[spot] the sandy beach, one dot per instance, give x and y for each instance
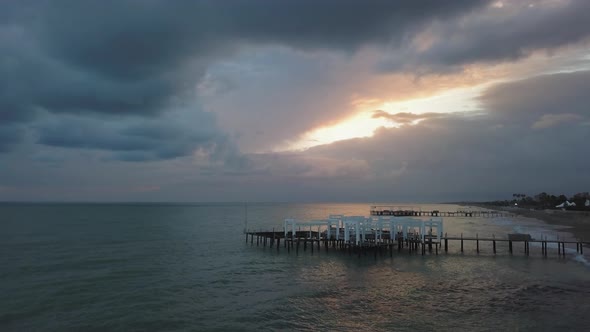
(575, 222)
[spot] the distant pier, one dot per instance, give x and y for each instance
(409, 211)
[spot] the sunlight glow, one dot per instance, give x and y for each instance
(364, 125)
(361, 125)
(457, 100)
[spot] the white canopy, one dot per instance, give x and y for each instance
(566, 203)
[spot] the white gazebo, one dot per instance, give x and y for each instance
(356, 228)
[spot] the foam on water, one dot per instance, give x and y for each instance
(540, 230)
(579, 257)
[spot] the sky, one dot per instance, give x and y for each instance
(295, 100)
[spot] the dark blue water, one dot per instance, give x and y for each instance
(118, 267)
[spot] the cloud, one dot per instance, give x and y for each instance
(194, 86)
(135, 58)
(499, 33)
(551, 120)
(301, 165)
(531, 99)
(126, 58)
(407, 117)
(9, 135)
(175, 135)
(477, 156)
(274, 95)
(158, 34)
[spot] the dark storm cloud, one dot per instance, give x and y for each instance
(31, 81)
(130, 39)
(496, 34)
(136, 57)
(132, 140)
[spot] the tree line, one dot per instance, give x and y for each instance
(545, 201)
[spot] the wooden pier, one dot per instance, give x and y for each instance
(303, 241)
(390, 229)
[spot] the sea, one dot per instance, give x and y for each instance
(188, 267)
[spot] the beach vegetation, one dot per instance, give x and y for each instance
(545, 201)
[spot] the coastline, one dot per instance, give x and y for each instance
(575, 222)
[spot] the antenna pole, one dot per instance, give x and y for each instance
(245, 217)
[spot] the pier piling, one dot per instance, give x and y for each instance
(544, 249)
(546, 253)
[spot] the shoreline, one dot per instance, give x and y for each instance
(575, 222)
